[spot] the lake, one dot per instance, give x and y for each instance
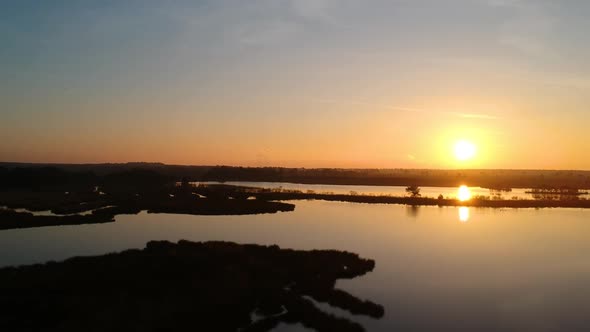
(447, 192)
(438, 269)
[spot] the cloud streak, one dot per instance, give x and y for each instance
(405, 109)
(474, 116)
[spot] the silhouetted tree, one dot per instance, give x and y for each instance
(413, 191)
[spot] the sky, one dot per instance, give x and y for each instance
(296, 83)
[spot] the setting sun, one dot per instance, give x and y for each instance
(464, 150)
(285, 147)
(464, 194)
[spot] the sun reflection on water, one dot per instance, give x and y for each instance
(464, 214)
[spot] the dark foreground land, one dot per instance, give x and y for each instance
(212, 286)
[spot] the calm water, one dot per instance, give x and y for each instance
(438, 269)
(449, 192)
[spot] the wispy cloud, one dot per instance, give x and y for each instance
(266, 33)
(404, 109)
(364, 103)
(278, 21)
(474, 116)
(507, 3)
(314, 9)
(528, 27)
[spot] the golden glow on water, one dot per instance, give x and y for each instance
(464, 194)
(464, 214)
(464, 150)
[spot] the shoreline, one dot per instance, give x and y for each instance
(426, 201)
(264, 195)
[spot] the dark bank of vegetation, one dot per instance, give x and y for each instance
(212, 286)
(493, 179)
(71, 198)
(10, 219)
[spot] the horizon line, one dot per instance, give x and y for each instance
(286, 167)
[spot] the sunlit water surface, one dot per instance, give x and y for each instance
(447, 192)
(438, 269)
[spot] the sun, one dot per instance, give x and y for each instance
(464, 194)
(464, 150)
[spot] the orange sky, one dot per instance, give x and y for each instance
(329, 83)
